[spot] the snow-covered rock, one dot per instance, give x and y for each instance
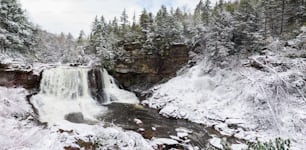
(216, 142)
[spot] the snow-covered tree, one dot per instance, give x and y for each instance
(81, 38)
(115, 26)
(197, 15)
(167, 30)
(202, 12)
(144, 20)
(124, 20)
(55, 48)
(100, 42)
(245, 35)
(16, 32)
(206, 12)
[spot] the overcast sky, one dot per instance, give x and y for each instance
(74, 15)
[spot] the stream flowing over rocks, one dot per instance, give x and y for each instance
(226, 75)
(82, 107)
(261, 96)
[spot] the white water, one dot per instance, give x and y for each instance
(65, 90)
(114, 93)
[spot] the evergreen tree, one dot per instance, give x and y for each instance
(144, 20)
(81, 38)
(16, 32)
(151, 20)
(205, 16)
(245, 34)
(197, 15)
(115, 26)
(168, 29)
(134, 25)
(294, 15)
(202, 12)
(124, 20)
(179, 15)
(99, 38)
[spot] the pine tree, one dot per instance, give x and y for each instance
(179, 15)
(144, 20)
(115, 26)
(168, 29)
(205, 16)
(99, 36)
(16, 32)
(245, 34)
(124, 20)
(151, 21)
(294, 15)
(197, 15)
(134, 25)
(81, 38)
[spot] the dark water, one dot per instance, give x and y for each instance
(123, 115)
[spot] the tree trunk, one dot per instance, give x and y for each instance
(283, 12)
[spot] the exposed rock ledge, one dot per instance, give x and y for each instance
(21, 76)
(139, 68)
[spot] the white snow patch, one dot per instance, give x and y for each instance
(161, 141)
(216, 142)
(239, 147)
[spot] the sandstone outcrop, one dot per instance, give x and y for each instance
(139, 68)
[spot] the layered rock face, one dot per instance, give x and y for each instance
(96, 84)
(18, 77)
(138, 68)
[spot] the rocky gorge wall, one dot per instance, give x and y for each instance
(18, 77)
(96, 84)
(139, 68)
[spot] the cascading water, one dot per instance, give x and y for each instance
(65, 91)
(114, 93)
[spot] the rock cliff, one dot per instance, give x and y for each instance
(11, 76)
(138, 68)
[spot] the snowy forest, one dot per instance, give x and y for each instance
(225, 75)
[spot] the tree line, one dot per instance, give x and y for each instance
(224, 27)
(235, 25)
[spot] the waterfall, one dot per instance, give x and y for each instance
(64, 91)
(65, 83)
(114, 93)
(65, 94)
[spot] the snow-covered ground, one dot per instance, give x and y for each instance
(262, 96)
